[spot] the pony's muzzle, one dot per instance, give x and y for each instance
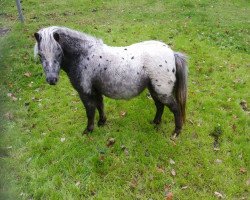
(52, 80)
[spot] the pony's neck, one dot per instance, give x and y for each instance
(75, 45)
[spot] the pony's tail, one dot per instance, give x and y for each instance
(181, 82)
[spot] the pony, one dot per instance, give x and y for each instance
(96, 70)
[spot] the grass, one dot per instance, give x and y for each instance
(36, 164)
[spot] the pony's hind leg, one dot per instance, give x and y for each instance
(173, 106)
(159, 106)
(100, 108)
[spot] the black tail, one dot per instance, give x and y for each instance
(181, 82)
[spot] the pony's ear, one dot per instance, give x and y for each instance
(56, 36)
(38, 37)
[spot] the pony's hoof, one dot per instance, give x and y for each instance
(155, 122)
(102, 122)
(87, 131)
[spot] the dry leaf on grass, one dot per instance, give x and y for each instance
(184, 187)
(123, 113)
(27, 74)
(169, 196)
(219, 195)
(160, 169)
(9, 116)
(12, 96)
(171, 161)
(243, 170)
(173, 173)
(243, 104)
(110, 142)
(218, 161)
(77, 183)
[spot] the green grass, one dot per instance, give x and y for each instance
(35, 164)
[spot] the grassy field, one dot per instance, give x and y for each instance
(43, 154)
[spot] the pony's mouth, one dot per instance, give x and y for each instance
(52, 80)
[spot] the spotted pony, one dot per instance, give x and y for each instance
(96, 69)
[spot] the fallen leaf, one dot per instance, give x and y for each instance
(219, 195)
(101, 158)
(184, 187)
(9, 116)
(234, 127)
(149, 96)
(248, 182)
(160, 169)
(77, 183)
(133, 183)
(243, 104)
(190, 121)
(27, 74)
(12, 96)
(173, 172)
(126, 152)
(167, 188)
(62, 139)
(110, 142)
(122, 113)
(243, 170)
(218, 161)
(172, 162)
(169, 196)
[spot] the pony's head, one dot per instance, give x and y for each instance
(50, 53)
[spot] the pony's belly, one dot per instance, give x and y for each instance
(123, 90)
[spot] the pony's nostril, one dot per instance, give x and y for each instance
(52, 80)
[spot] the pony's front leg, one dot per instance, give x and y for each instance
(100, 108)
(90, 106)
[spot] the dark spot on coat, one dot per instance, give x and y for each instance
(173, 70)
(137, 72)
(105, 68)
(100, 56)
(125, 49)
(85, 67)
(99, 65)
(166, 61)
(159, 85)
(93, 56)
(164, 45)
(132, 57)
(156, 80)
(87, 58)
(122, 58)
(160, 65)
(143, 67)
(168, 70)
(107, 60)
